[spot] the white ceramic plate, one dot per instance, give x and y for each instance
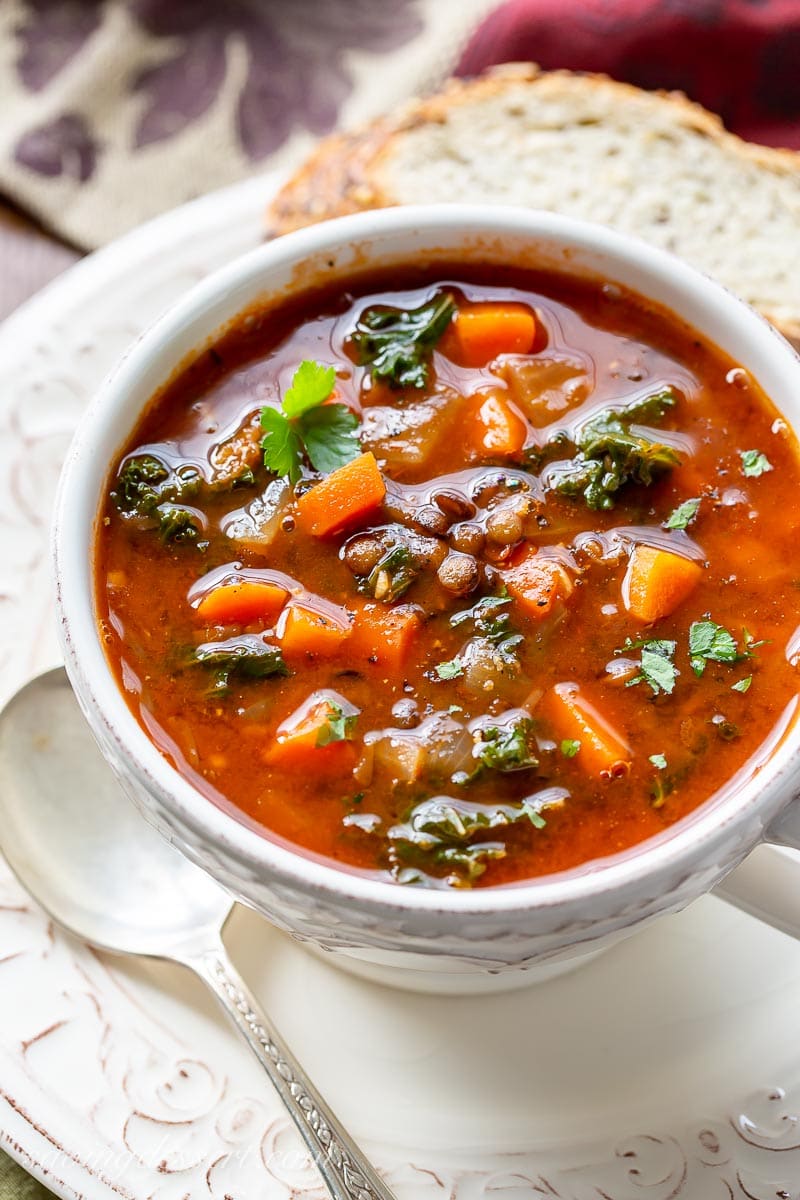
(669, 1067)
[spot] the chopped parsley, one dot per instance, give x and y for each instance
(338, 726)
(683, 515)
(505, 747)
(570, 747)
(658, 761)
(657, 668)
(305, 425)
(754, 463)
(450, 670)
(743, 685)
(396, 343)
(710, 642)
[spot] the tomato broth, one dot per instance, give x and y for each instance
(460, 576)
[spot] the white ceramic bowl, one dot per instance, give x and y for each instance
(459, 939)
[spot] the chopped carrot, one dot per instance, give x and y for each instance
(480, 332)
(498, 429)
(315, 631)
(537, 583)
(347, 496)
(240, 601)
(296, 745)
(384, 635)
(657, 581)
(602, 751)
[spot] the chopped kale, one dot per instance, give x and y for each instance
(150, 492)
(247, 656)
(396, 343)
(436, 833)
(492, 625)
(392, 575)
(610, 454)
(178, 524)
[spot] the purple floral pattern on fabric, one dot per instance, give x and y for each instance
(62, 147)
(295, 70)
(50, 35)
(296, 74)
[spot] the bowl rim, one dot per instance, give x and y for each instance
(695, 838)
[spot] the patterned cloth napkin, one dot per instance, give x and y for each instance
(114, 110)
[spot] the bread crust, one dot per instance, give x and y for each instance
(350, 172)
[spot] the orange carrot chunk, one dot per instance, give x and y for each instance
(384, 635)
(497, 427)
(348, 496)
(572, 717)
(537, 583)
(657, 581)
(313, 631)
(242, 601)
(297, 743)
(483, 331)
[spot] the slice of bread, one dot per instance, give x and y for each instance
(654, 165)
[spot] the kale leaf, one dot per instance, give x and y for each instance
(246, 656)
(396, 343)
(610, 454)
(149, 491)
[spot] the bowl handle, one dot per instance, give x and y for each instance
(767, 883)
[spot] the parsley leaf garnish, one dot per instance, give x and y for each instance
(743, 685)
(305, 424)
(658, 761)
(710, 642)
(396, 343)
(338, 726)
(657, 667)
(610, 454)
(683, 515)
(570, 747)
(754, 463)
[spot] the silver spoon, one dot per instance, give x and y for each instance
(82, 850)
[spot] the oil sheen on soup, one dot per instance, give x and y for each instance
(457, 577)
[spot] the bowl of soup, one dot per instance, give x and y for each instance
(427, 577)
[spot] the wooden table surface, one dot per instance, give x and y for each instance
(29, 258)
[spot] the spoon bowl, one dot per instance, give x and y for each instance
(71, 836)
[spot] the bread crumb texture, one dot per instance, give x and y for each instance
(649, 164)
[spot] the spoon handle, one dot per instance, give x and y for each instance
(344, 1168)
